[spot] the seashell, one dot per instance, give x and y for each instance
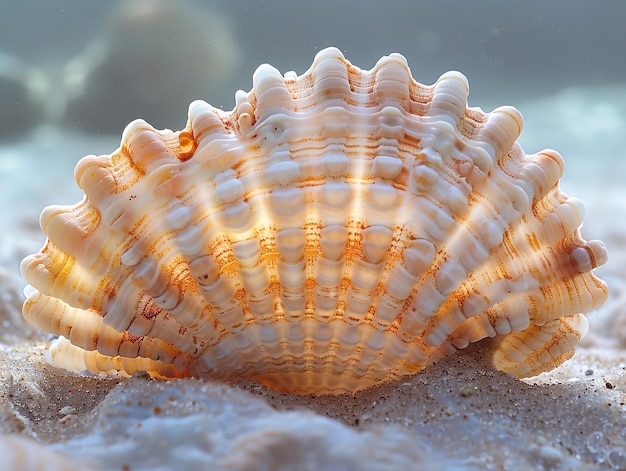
(336, 230)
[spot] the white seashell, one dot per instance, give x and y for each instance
(334, 231)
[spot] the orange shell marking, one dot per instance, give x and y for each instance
(335, 230)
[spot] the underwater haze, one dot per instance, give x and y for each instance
(95, 66)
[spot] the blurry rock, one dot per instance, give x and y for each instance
(190, 424)
(154, 60)
(24, 454)
(20, 109)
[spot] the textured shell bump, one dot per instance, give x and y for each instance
(335, 230)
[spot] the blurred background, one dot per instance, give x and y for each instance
(93, 66)
(73, 73)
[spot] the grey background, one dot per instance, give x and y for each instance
(143, 66)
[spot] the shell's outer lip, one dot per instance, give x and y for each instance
(335, 230)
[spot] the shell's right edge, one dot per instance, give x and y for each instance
(336, 230)
(543, 346)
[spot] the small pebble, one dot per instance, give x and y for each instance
(550, 453)
(67, 410)
(468, 390)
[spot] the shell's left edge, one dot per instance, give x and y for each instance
(336, 230)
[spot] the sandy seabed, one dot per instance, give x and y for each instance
(457, 414)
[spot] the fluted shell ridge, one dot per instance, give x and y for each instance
(335, 230)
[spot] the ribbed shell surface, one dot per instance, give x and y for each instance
(335, 230)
